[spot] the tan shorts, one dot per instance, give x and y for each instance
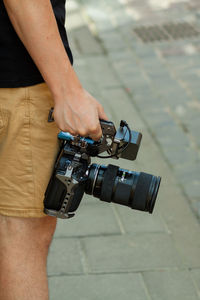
(28, 148)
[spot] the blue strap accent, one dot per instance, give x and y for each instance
(67, 136)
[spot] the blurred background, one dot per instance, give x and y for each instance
(141, 60)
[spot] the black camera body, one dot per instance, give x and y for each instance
(74, 174)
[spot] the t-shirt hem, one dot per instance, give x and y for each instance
(24, 82)
(21, 83)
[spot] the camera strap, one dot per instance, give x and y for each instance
(108, 183)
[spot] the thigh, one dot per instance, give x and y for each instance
(28, 148)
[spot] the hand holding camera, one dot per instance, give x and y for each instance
(74, 174)
(78, 117)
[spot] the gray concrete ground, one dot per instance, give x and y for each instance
(112, 252)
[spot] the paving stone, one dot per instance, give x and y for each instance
(85, 41)
(178, 154)
(90, 219)
(73, 46)
(167, 285)
(74, 21)
(72, 6)
(117, 101)
(90, 287)
(121, 18)
(149, 162)
(136, 83)
(64, 257)
(112, 41)
(98, 14)
(128, 72)
(127, 33)
(186, 234)
(194, 130)
(192, 189)
(101, 72)
(149, 103)
(169, 92)
(157, 70)
(123, 66)
(192, 116)
(195, 202)
(131, 253)
(172, 137)
(138, 222)
(158, 117)
(103, 26)
(179, 61)
(163, 83)
(189, 172)
(125, 55)
(195, 273)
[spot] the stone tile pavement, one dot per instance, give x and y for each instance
(112, 252)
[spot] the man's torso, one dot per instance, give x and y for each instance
(16, 66)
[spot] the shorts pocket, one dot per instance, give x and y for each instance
(4, 114)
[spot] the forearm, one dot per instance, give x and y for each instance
(36, 26)
(75, 110)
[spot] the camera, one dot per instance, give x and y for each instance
(74, 175)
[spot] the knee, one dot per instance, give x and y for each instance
(45, 231)
(26, 233)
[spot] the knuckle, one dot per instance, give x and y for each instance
(62, 128)
(71, 131)
(94, 129)
(83, 132)
(99, 136)
(96, 136)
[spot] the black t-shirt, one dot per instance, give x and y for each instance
(17, 68)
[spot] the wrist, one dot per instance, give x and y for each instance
(67, 85)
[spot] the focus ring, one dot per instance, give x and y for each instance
(142, 192)
(108, 183)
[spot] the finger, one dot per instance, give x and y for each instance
(68, 129)
(72, 132)
(81, 128)
(63, 124)
(101, 113)
(96, 134)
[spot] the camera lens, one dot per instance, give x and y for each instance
(137, 190)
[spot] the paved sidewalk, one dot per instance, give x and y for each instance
(111, 252)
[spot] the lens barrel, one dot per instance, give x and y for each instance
(136, 190)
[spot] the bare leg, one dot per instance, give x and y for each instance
(24, 244)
